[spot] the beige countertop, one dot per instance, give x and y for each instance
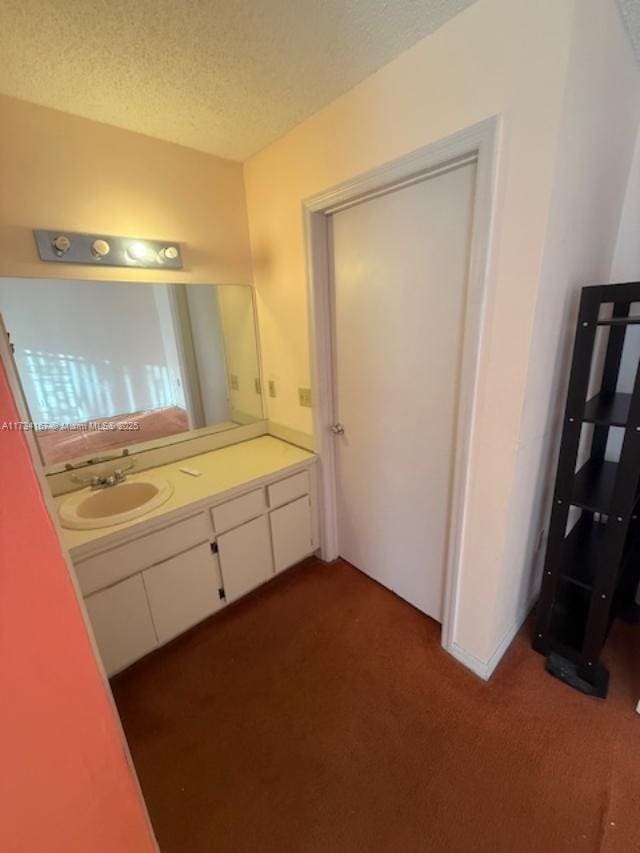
(224, 470)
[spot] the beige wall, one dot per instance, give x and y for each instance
(237, 316)
(594, 154)
(626, 262)
(60, 171)
(497, 57)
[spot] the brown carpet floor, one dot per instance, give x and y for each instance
(320, 714)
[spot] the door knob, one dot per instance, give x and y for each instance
(337, 429)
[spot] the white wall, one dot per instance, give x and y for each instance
(626, 261)
(626, 267)
(505, 57)
(595, 146)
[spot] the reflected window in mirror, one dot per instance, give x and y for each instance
(106, 366)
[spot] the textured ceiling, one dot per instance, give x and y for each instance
(223, 76)
(631, 13)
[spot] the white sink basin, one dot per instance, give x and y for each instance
(90, 509)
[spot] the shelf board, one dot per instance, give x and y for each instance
(619, 321)
(608, 409)
(593, 486)
(581, 551)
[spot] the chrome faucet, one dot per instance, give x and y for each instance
(102, 481)
(112, 479)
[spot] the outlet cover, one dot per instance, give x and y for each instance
(233, 382)
(304, 397)
(272, 388)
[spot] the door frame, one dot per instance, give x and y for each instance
(478, 143)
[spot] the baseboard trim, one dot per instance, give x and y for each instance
(485, 669)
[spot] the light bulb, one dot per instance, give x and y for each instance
(61, 244)
(100, 248)
(137, 251)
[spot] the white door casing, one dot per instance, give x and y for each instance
(482, 143)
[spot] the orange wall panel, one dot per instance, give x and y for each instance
(65, 784)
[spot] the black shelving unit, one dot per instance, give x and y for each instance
(592, 569)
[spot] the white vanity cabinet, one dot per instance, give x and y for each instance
(121, 622)
(291, 520)
(291, 533)
(143, 590)
(183, 590)
(245, 557)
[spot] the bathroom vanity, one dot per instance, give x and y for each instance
(246, 513)
(174, 501)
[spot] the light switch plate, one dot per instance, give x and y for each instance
(304, 397)
(233, 382)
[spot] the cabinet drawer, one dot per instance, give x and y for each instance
(183, 590)
(289, 489)
(291, 533)
(122, 624)
(245, 557)
(124, 560)
(235, 512)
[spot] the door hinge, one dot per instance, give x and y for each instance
(221, 594)
(214, 547)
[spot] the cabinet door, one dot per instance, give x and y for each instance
(245, 557)
(122, 624)
(291, 533)
(183, 590)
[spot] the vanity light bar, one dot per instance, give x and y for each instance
(69, 247)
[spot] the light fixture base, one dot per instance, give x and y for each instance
(104, 250)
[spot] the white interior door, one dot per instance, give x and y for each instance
(400, 269)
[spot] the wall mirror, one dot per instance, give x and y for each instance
(106, 366)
